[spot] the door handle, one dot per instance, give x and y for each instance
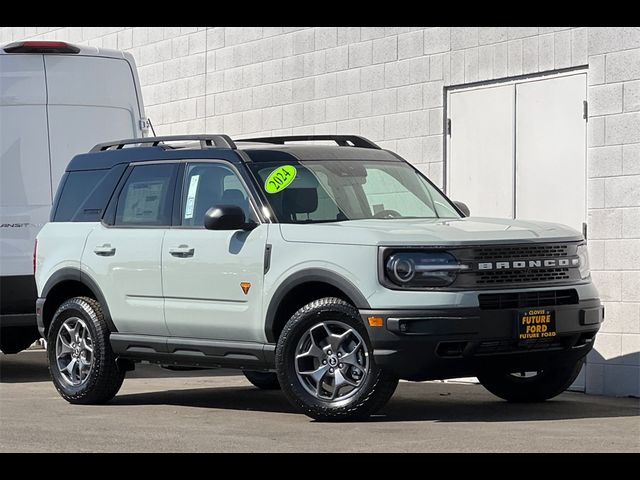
(182, 251)
(105, 250)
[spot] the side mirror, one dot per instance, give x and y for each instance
(463, 208)
(227, 217)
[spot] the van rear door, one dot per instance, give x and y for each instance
(25, 187)
(91, 99)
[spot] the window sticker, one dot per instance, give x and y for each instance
(142, 201)
(280, 179)
(191, 196)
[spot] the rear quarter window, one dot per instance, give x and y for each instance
(84, 194)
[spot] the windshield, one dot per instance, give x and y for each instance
(337, 190)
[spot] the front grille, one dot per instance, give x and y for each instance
(498, 277)
(501, 258)
(520, 251)
(549, 298)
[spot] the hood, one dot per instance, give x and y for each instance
(436, 231)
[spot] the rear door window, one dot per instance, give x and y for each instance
(146, 198)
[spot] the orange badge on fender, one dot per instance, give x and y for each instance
(245, 287)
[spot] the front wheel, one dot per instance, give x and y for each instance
(325, 364)
(535, 386)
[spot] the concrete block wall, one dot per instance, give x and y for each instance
(387, 84)
(613, 201)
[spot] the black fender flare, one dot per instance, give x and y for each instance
(310, 275)
(75, 274)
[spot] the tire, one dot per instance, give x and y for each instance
(103, 379)
(544, 385)
(16, 339)
(302, 334)
(263, 380)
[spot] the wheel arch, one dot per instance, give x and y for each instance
(302, 287)
(67, 283)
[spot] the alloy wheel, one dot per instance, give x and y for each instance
(332, 361)
(74, 351)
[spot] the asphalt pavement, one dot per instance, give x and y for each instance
(219, 411)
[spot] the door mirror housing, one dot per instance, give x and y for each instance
(463, 208)
(227, 217)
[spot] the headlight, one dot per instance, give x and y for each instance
(583, 255)
(422, 269)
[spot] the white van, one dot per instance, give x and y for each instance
(56, 100)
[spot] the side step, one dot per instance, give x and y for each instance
(189, 352)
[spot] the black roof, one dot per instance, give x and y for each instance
(267, 149)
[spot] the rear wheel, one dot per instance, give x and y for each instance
(263, 380)
(536, 386)
(16, 339)
(81, 362)
(325, 364)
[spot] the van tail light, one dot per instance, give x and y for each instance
(32, 46)
(35, 252)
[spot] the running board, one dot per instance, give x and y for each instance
(192, 352)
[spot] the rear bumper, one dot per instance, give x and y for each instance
(17, 296)
(455, 342)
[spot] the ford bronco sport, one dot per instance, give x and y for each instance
(327, 270)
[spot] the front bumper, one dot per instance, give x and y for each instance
(433, 344)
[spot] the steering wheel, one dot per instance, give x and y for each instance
(387, 214)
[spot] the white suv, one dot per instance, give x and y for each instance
(330, 271)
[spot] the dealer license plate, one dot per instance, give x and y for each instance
(536, 323)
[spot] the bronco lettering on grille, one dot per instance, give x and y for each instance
(520, 264)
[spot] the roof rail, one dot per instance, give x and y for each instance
(206, 141)
(342, 140)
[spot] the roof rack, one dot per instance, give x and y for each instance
(206, 141)
(342, 140)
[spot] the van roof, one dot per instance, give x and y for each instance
(38, 47)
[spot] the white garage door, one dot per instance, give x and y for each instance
(551, 140)
(518, 150)
(482, 155)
